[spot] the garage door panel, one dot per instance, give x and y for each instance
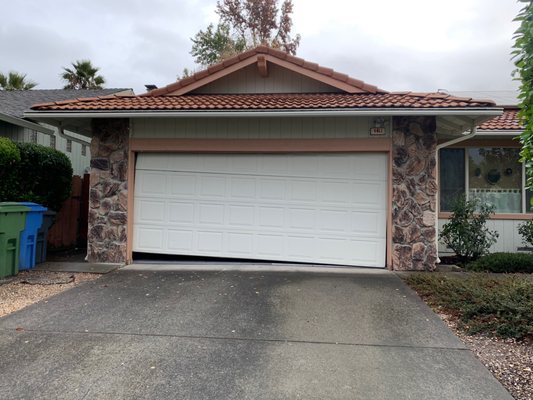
(268, 246)
(210, 241)
(303, 190)
(213, 186)
(274, 166)
(150, 238)
(370, 195)
(151, 211)
(241, 243)
(243, 188)
(211, 214)
(181, 213)
(181, 184)
(301, 247)
(271, 217)
(273, 189)
(180, 240)
(153, 183)
(263, 206)
(303, 166)
(301, 218)
(335, 220)
(243, 216)
(370, 224)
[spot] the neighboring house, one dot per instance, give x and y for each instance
(487, 166)
(268, 156)
(14, 126)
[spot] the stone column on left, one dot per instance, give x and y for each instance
(107, 235)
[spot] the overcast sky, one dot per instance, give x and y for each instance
(418, 45)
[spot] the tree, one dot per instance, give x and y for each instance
(15, 81)
(184, 74)
(82, 75)
(523, 59)
(245, 24)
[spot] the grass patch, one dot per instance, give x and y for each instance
(503, 262)
(501, 306)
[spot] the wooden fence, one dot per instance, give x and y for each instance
(70, 227)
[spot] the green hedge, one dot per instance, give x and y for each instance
(9, 159)
(42, 175)
(503, 262)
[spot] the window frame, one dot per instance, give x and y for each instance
(524, 214)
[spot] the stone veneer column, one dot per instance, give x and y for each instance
(108, 196)
(414, 189)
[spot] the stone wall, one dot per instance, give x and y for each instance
(414, 189)
(108, 194)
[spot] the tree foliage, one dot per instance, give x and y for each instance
(523, 59)
(82, 75)
(15, 81)
(245, 24)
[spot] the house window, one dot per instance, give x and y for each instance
(491, 174)
(83, 150)
(452, 177)
(33, 137)
(495, 177)
(69, 146)
(53, 142)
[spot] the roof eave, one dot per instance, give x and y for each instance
(473, 111)
(25, 123)
(499, 132)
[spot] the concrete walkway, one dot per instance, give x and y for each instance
(138, 334)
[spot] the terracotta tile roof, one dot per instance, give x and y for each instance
(508, 121)
(264, 102)
(327, 73)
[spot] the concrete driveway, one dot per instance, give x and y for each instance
(237, 335)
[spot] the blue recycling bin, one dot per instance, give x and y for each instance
(28, 237)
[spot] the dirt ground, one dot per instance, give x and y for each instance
(29, 287)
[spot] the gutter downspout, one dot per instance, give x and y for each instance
(66, 136)
(473, 132)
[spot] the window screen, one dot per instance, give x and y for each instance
(452, 177)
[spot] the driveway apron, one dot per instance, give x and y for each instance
(237, 335)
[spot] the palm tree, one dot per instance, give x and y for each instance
(82, 75)
(15, 81)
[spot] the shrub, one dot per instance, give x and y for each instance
(466, 233)
(9, 154)
(45, 175)
(503, 262)
(39, 174)
(9, 158)
(481, 302)
(526, 231)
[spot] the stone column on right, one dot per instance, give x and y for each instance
(414, 193)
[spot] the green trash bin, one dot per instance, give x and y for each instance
(12, 223)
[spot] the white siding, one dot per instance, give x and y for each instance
(253, 128)
(13, 132)
(20, 134)
(279, 80)
(79, 162)
(508, 241)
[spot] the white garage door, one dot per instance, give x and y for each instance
(316, 208)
